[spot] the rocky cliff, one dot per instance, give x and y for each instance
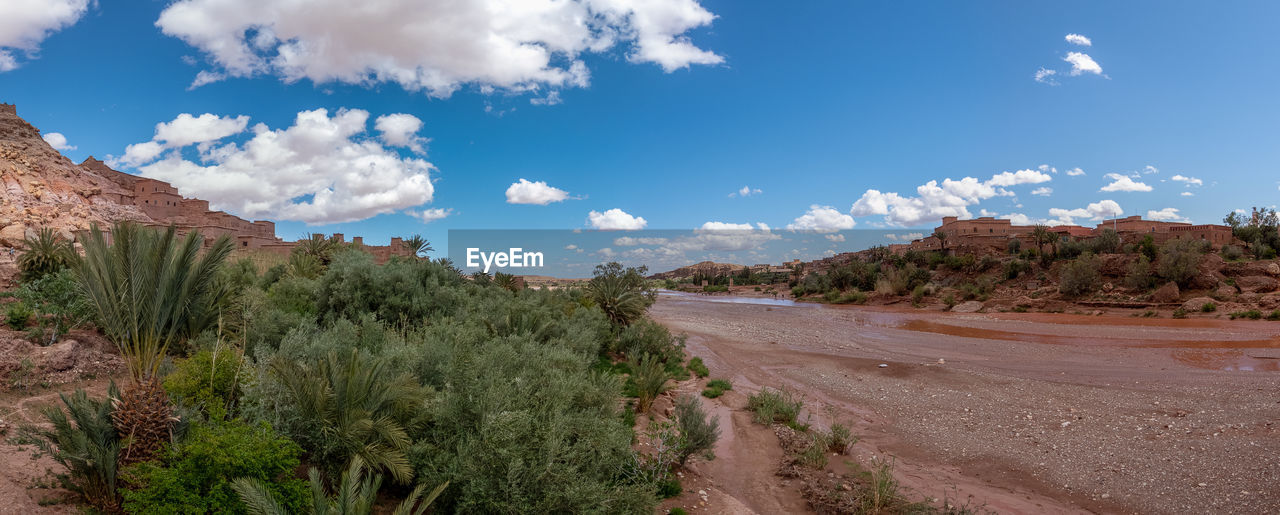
(42, 188)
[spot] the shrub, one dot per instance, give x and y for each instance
(698, 367)
(17, 315)
(56, 303)
(1251, 314)
(716, 388)
(1080, 277)
(1179, 313)
(1180, 260)
(1108, 242)
(195, 475)
(209, 379)
(1232, 253)
(84, 441)
(770, 405)
(831, 296)
(357, 494)
(949, 299)
(1208, 307)
(1139, 276)
(650, 379)
(1274, 315)
(918, 294)
(815, 454)
(1014, 246)
(698, 431)
(840, 438)
(1016, 267)
(648, 337)
(853, 297)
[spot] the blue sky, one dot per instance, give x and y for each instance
(808, 104)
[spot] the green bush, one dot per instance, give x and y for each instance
(1180, 260)
(840, 438)
(716, 388)
(770, 405)
(650, 378)
(698, 367)
(84, 441)
(698, 430)
(17, 315)
(1208, 307)
(1179, 313)
(1251, 314)
(1015, 268)
(196, 474)
(1232, 253)
(45, 253)
(209, 379)
(56, 303)
(1274, 315)
(1080, 276)
(1140, 276)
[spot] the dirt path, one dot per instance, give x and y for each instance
(1024, 413)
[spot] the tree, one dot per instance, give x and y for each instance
(622, 294)
(150, 290)
(1041, 235)
(45, 253)
(86, 444)
(417, 245)
(356, 495)
(942, 239)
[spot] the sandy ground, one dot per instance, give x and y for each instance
(1044, 413)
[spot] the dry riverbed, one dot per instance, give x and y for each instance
(1014, 412)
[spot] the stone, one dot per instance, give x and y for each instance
(1257, 284)
(972, 306)
(1273, 268)
(1033, 285)
(12, 235)
(1167, 293)
(1226, 290)
(1196, 304)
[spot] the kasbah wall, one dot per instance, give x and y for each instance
(987, 234)
(163, 203)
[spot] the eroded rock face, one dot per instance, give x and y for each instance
(972, 306)
(1167, 293)
(1257, 284)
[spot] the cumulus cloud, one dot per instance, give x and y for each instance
(1042, 192)
(1081, 63)
(25, 24)
(1124, 183)
(429, 215)
(1077, 39)
(835, 237)
(322, 169)
(628, 241)
(539, 193)
(746, 191)
(57, 141)
(615, 220)
(1190, 181)
(1047, 76)
(935, 200)
(1075, 172)
(1188, 194)
(822, 219)
(1168, 214)
(905, 236)
(722, 237)
(1096, 211)
(436, 46)
(401, 130)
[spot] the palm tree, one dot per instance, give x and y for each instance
(417, 245)
(1041, 235)
(351, 408)
(150, 290)
(45, 254)
(86, 444)
(356, 495)
(621, 301)
(942, 239)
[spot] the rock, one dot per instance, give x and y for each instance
(1273, 268)
(12, 235)
(972, 306)
(1033, 285)
(1196, 304)
(1107, 287)
(1257, 284)
(1167, 293)
(1226, 290)
(883, 365)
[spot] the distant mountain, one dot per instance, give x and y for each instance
(703, 268)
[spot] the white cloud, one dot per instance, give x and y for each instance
(1191, 181)
(1188, 194)
(401, 130)
(1077, 39)
(627, 241)
(835, 237)
(615, 220)
(822, 219)
(1081, 63)
(24, 24)
(429, 215)
(1096, 211)
(1148, 170)
(186, 129)
(137, 154)
(1168, 214)
(905, 236)
(1020, 219)
(57, 141)
(322, 169)
(539, 193)
(721, 237)
(1042, 192)
(1124, 183)
(1075, 172)
(936, 200)
(1047, 76)
(746, 191)
(436, 46)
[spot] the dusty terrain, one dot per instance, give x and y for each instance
(1049, 413)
